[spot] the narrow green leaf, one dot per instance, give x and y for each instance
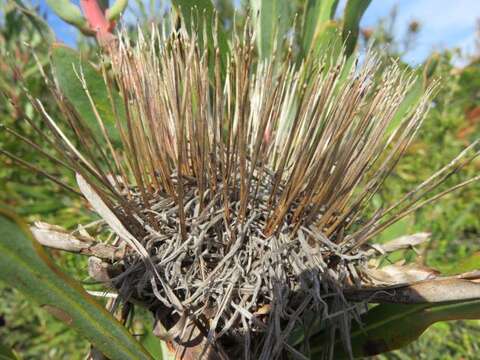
(6, 353)
(388, 327)
(409, 103)
(69, 13)
(317, 13)
(354, 11)
(26, 266)
(327, 44)
(65, 62)
(205, 10)
(430, 67)
(155, 346)
(187, 6)
(272, 21)
(116, 10)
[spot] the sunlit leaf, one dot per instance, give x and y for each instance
(205, 11)
(27, 267)
(156, 347)
(116, 10)
(317, 14)
(354, 11)
(66, 62)
(328, 42)
(388, 327)
(411, 100)
(433, 291)
(272, 21)
(69, 13)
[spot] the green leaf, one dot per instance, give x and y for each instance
(327, 45)
(354, 11)
(272, 21)
(205, 10)
(388, 327)
(6, 353)
(26, 266)
(188, 8)
(155, 346)
(66, 61)
(69, 13)
(317, 14)
(409, 103)
(116, 10)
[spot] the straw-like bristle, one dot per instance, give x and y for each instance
(245, 190)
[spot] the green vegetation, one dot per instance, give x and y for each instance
(451, 124)
(453, 222)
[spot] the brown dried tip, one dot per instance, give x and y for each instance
(242, 199)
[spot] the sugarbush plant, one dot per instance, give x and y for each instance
(234, 173)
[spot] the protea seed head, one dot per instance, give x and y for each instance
(240, 188)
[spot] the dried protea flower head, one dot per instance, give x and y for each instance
(241, 188)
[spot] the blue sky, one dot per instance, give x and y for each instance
(445, 23)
